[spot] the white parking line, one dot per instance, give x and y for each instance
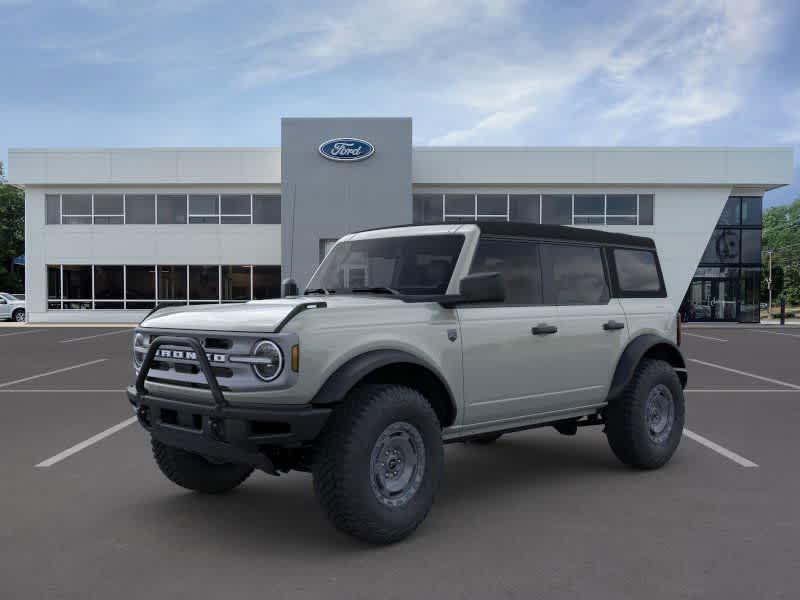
(729, 454)
(705, 337)
(86, 443)
(24, 379)
(745, 373)
(91, 337)
(22, 332)
(794, 335)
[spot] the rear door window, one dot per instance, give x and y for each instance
(637, 272)
(573, 274)
(518, 262)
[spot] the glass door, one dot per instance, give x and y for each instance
(712, 300)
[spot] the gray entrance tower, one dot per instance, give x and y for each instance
(324, 199)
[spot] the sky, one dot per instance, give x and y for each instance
(108, 73)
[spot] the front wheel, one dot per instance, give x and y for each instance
(378, 463)
(645, 423)
(19, 315)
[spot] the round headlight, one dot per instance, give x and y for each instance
(138, 349)
(270, 360)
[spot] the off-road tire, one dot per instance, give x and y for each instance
(18, 315)
(343, 469)
(627, 425)
(194, 472)
(485, 439)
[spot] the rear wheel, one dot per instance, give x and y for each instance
(19, 315)
(378, 463)
(645, 423)
(194, 472)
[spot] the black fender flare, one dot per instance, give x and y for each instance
(646, 344)
(354, 370)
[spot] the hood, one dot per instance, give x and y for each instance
(258, 316)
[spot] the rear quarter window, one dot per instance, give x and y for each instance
(638, 273)
(574, 274)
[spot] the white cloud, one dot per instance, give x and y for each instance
(496, 122)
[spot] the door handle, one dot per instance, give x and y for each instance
(543, 329)
(612, 325)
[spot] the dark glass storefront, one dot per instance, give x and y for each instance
(727, 282)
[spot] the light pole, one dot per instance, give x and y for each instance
(769, 285)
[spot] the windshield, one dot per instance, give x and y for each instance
(404, 265)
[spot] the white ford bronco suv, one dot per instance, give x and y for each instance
(407, 338)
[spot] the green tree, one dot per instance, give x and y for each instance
(781, 235)
(12, 235)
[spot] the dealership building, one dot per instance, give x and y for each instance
(111, 233)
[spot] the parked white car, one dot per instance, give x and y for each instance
(12, 308)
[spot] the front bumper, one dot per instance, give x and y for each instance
(221, 431)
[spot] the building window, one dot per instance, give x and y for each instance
(621, 209)
(141, 287)
(236, 284)
(109, 209)
(140, 209)
(53, 209)
(109, 286)
(646, 209)
(557, 209)
(492, 207)
(751, 211)
(266, 282)
(235, 209)
(172, 284)
(524, 208)
(171, 209)
(266, 209)
(589, 209)
(76, 209)
(204, 208)
(460, 208)
(428, 208)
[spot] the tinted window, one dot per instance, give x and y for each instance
(573, 275)
(266, 281)
(427, 208)
(53, 206)
(637, 271)
(235, 208)
(646, 209)
(140, 282)
(266, 209)
(524, 208)
(495, 205)
(108, 282)
(557, 210)
(171, 209)
(411, 265)
(53, 282)
(590, 209)
(730, 214)
(172, 282)
(723, 247)
(235, 283)
(751, 211)
(77, 209)
(108, 209)
(751, 245)
(77, 282)
(518, 263)
(140, 209)
(203, 282)
(203, 208)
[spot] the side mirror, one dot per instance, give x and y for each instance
(289, 288)
(482, 287)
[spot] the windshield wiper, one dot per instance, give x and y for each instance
(376, 290)
(319, 291)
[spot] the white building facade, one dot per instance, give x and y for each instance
(111, 233)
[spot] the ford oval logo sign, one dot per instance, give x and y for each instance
(345, 149)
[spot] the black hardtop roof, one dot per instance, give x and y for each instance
(565, 233)
(549, 232)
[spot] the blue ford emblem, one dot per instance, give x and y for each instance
(346, 149)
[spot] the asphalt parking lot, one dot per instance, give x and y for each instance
(535, 515)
